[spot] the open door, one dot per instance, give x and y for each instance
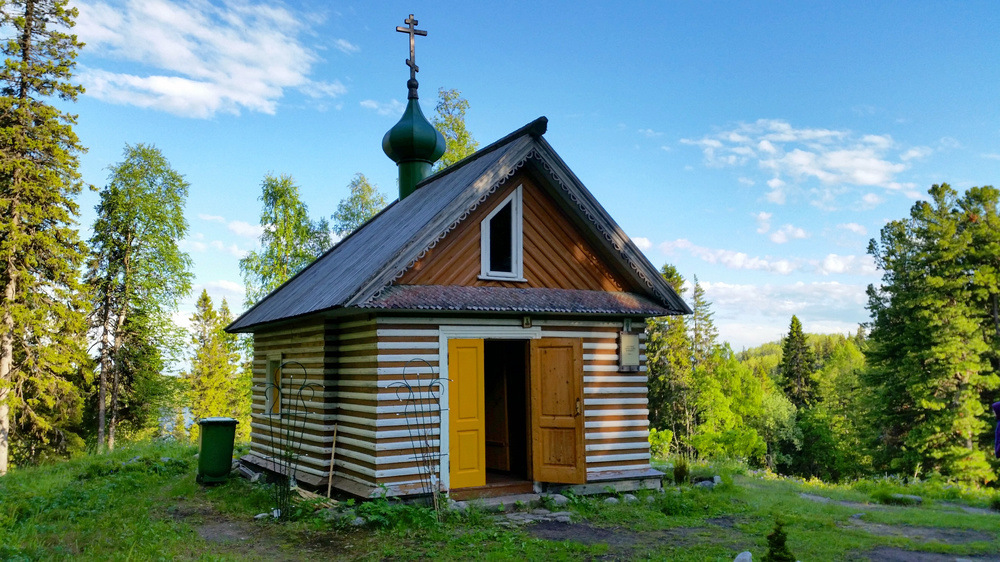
(557, 431)
(466, 414)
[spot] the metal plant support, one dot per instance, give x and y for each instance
(422, 406)
(287, 427)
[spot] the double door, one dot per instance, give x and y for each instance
(555, 411)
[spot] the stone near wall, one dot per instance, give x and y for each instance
(611, 501)
(709, 484)
(559, 500)
(629, 498)
(745, 556)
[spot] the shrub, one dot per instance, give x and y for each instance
(680, 470)
(659, 442)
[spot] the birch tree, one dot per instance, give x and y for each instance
(136, 266)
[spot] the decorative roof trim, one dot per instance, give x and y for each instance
(533, 153)
(621, 249)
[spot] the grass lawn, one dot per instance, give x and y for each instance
(142, 503)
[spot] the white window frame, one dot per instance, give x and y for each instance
(516, 243)
(272, 384)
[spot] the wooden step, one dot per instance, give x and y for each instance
(506, 488)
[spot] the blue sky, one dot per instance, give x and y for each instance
(758, 146)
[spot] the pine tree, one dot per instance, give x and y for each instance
(364, 202)
(215, 388)
(450, 122)
(798, 363)
(136, 268)
(42, 342)
(290, 240)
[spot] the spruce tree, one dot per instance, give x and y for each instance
(797, 366)
(929, 358)
(42, 327)
(668, 358)
(703, 331)
(214, 386)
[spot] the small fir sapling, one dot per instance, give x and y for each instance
(777, 550)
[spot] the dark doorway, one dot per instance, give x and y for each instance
(506, 393)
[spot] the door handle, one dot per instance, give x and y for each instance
(577, 407)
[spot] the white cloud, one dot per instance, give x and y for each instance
(224, 285)
(346, 46)
(853, 227)
(192, 244)
(830, 160)
(393, 107)
(182, 319)
(851, 265)
(245, 229)
(786, 233)
(916, 153)
(650, 133)
(746, 181)
(642, 243)
(763, 222)
(991, 156)
(231, 249)
(211, 218)
(730, 258)
(194, 58)
(777, 194)
(748, 315)
(870, 200)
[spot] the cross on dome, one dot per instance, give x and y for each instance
(411, 62)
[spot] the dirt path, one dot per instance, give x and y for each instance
(260, 540)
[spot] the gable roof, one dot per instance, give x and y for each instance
(358, 269)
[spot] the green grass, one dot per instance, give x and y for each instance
(142, 503)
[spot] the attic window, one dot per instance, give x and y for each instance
(500, 241)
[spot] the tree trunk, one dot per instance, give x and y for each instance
(6, 366)
(102, 385)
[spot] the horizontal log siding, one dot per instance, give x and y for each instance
(407, 352)
(616, 414)
(362, 364)
(615, 404)
(306, 419)
(556, 255)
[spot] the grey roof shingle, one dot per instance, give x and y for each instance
(456, 298)
(360, 267)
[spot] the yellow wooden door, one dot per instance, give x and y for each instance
(466, 414)
(557, 431)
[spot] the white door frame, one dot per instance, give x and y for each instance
(446, 333)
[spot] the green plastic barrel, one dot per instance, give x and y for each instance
(215, 458)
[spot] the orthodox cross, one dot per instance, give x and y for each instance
(412, 31)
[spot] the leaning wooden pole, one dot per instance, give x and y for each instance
(333, 456)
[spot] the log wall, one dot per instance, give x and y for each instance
(360, 365)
